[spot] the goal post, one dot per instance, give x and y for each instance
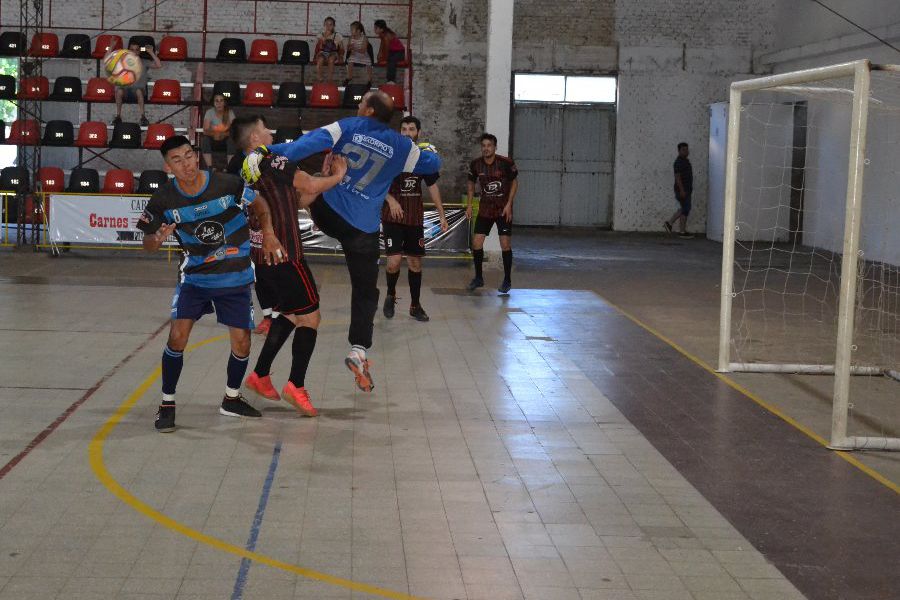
(795, 170)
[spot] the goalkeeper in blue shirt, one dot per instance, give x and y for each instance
(351, 211)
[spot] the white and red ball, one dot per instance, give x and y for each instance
(123, 67)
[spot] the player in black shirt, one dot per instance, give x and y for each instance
(684, 186)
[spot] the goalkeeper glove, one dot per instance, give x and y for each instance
(252, 168)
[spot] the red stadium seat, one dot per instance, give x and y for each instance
(396, 93)
(99, 90)
(258, 93)
(44, 45)
(92, 134)
(157, 133)
(51, 179)
(172, 47)
(105, 43)
(118, 181)
(34, 88)
(166, 91)
(263, 51)
(325, 95)
(24, 132)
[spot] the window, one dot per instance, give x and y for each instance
(564, 89)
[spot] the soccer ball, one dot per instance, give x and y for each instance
(427, 147)
(123, 67)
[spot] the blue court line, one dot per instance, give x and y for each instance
(241, 581)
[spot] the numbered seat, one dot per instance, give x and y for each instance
(51, 180)
(325, 95)
(12, 43)
(84, 180)
(263, 51)
(232, 50)
(291, 94)
(166, 91)
(144, 42)
(258, 93)
(44, 45)
(58, 133)
(2, 132)
(295, 52)
(125, 135)
(151, 180)
(395, 91)
(118, 181)
(7, 87)
(66, 89)
(24, 132)
(172, 47)
(353, 94)
(92, 134)
(106, 43)
(157, 133)
(230, 89)
(284, 135)
(34, 88)
(99, 89)
(15, 179)
(76, 45)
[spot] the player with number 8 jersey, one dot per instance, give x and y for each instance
(351, 211)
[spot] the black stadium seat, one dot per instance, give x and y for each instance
(291, 94)
(58, 133)
(66, 89)
(7, 87)
(232, 50)
(287, 134)
(76, 45)
(2, 132)
(126, 135)
(230, 89)
(84, 181)
(13, 43)
(144, 41)
(295, 52)
(15, 179)
(353, 94)
(150, 181)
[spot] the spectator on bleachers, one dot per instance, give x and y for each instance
(216, 130)
(359, 52)
(329, 48)
(136, 92)
(391, 51)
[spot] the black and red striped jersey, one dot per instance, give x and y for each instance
(495, 180)
(407, 190)
(276, 186)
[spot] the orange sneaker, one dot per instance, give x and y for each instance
(299, 399)
(360, 368)
(263, 327)
(262, 386)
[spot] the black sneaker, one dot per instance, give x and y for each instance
(505, 286)
(685, 235)
(476, 283)
(144, 121)
(165, 418)
(418, 313)
(388, 308)
(236, 407)
(668, 226)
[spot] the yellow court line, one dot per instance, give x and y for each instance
(95, 453)
(766, 405)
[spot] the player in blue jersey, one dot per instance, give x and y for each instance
(205, 211)
(351, 211)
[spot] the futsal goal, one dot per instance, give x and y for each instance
(811, 254)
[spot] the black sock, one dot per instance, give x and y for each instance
(171, 370)
(304, 344)
(478, 255)
(279, 332)
(415, 287)
(392, 282)
(507, 263)
(237, 366)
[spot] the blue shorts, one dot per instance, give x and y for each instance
(684, 202)
(233, 306)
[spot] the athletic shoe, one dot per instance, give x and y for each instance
(476, 283)
(165, 418)
(299, 399)
(144, 121)
(505, 286)
(668, 226)
(388, 308)
(264, 326)
(418, 313)
(686, 235)
(360, 368)
(262, 386)
(236, 407)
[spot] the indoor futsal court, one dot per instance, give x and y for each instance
(450, 300)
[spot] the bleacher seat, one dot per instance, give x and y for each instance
(232, 50)
(66, 89)
(84, 180)
(58, 133)
(166, 91)
(263, 51)
(325, 95)
(24, 132)
(51, 179)
(105, 43)
(144, 42)
(34, 88)
(353, 93)
(151, 180)
(7, 87)
(2, 131)
(172, 47)
(118, 181)
(291, 94)
(92, 134)
(157, 133)
(44, 45)
(258, 93)
(15, 179)
(12, 43)
(287, 134)
(230, 89)
(125, 135)
(76, 45)
(99, 90)
(396, 93)
(295, 52)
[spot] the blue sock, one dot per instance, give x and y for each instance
(237, 366)
(172, 362)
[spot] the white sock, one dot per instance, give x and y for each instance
(267, 312)
(232, 393)
(168, 398)
(360, 351)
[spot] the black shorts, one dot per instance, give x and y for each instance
(294, 288)
(403, 239)
(265, 288)
(483, 226)
(684, 202)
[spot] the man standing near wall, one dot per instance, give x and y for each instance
(684, 186)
